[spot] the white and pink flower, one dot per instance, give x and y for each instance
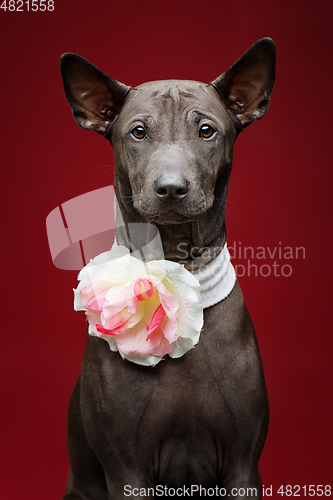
(143, 310)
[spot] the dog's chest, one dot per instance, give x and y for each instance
(157, 415)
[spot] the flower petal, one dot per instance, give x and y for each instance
(169, 328)
(134, 342)
(122, 321)
(96, 302)
(101, 329)
(148, 288)
(148, 360)
(115, 302)
(155, 321)
(115, 322)
(84, 293)
(182, 345)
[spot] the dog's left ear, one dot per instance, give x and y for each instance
(246, 86)
(95, 97)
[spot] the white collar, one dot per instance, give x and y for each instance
(216, 279)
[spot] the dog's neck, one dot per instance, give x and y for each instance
(194, 244)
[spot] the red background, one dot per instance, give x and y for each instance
(280, 192)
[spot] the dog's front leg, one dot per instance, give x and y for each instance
(242, 483)
(86, 478)
(129, 488)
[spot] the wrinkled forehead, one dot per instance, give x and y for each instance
(175, 89)
(166, 96)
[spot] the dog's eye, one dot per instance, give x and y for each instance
(138, 132)
(206, 131)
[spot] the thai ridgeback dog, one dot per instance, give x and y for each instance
(193, 426)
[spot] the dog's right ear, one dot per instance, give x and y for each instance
(96, 99)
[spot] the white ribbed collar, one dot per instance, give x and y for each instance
(216, 279)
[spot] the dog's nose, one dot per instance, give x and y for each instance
(171, 186)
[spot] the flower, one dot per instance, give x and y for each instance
(143, 310)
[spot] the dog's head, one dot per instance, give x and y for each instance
(172, 139)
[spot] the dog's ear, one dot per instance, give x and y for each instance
(246, 86)
(95, 98)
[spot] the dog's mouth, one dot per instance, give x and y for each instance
(173, 211)
(173, 214)
(172, 217)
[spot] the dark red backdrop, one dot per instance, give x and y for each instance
(280, 192)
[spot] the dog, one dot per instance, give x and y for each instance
(197, 423)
